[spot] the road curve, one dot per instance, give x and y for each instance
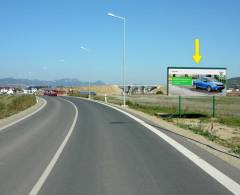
(107, 153)
(110, 153)
(27, 146)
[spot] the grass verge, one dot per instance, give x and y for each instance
(232, 144)
(152, 110)
(231, 121)
(10, 105)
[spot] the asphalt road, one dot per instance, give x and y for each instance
(27, 147)
(107, 153)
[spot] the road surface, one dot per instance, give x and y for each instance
(107, 153)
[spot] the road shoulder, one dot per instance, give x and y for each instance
(214, 148)
(172, 130)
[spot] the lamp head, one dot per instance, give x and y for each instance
(110, 14)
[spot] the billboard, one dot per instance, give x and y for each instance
(192, 81)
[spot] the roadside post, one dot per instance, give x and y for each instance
(105, 97)
(213, 106)
(179, 106)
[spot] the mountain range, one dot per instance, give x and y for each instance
(65, 82)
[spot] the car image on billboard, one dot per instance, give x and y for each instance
(190, 81)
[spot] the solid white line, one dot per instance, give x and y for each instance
(36, 188)
(223, 179)
(23, 118)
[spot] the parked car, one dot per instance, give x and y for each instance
(209, 84)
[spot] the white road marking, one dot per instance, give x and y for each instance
(223, 179)
(37, 187)
(21, 119)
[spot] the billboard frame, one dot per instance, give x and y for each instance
(185, 67)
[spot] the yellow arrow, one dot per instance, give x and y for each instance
(197, 57)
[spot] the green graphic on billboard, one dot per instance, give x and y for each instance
(182, 81)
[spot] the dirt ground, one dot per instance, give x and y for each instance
(100, 90)
(220, 130)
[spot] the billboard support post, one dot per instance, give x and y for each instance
(179, 106)
(213, 106)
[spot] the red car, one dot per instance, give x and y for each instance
(51, 92)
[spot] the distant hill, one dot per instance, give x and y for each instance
(65, 82)
(233, 82)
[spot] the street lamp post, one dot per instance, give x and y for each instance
(89, 94)
(124, 50)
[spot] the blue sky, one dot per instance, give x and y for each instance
(41, 39)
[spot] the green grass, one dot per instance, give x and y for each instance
(10, 105)
(229, 121)
(152, 110)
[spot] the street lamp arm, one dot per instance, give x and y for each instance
(115, 16)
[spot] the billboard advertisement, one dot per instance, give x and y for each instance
(192, 81)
